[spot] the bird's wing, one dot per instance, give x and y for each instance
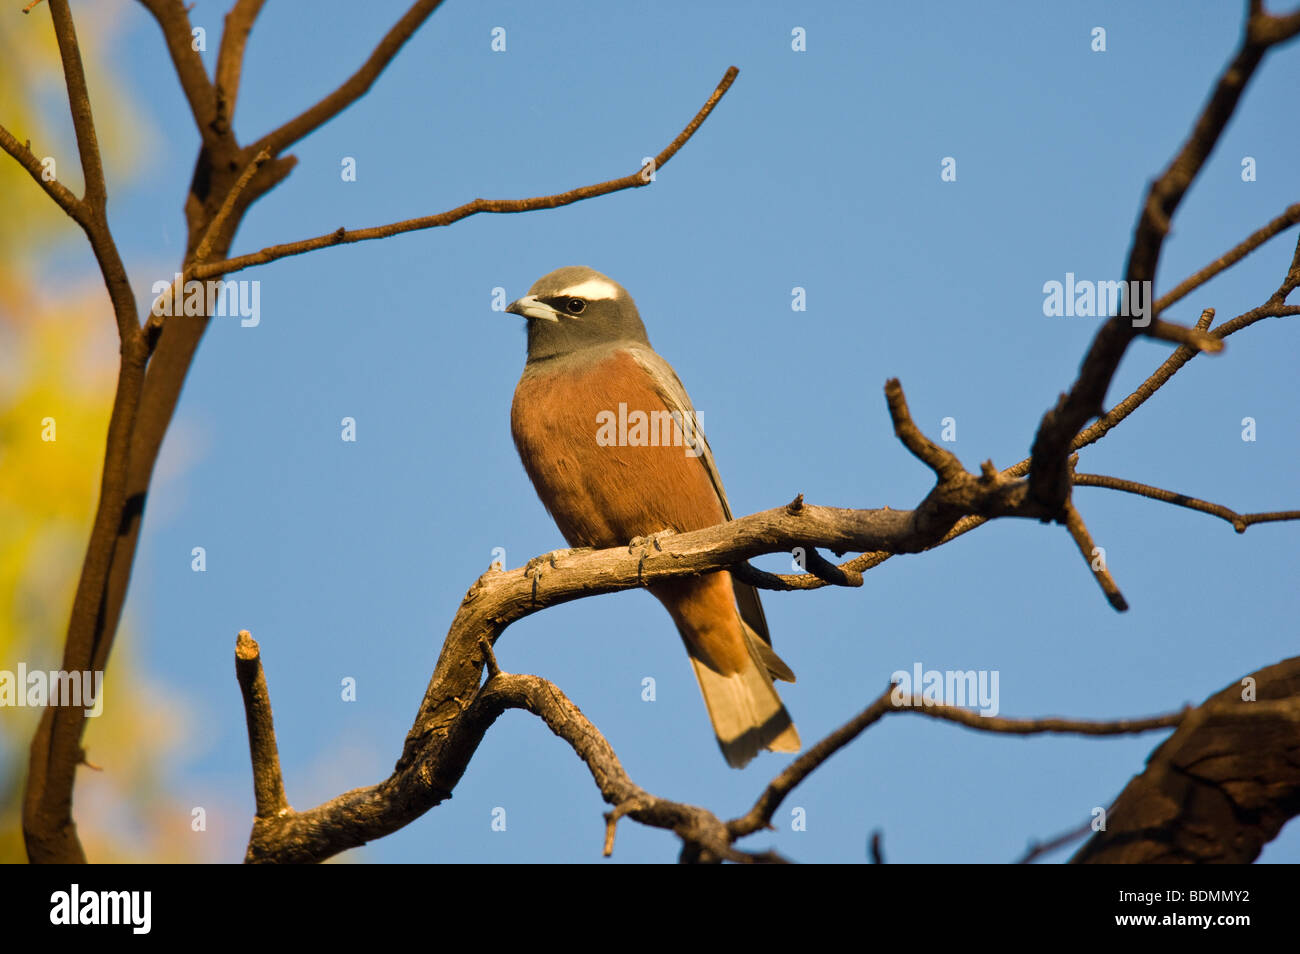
(670, 388)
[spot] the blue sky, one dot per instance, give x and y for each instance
(820, 169)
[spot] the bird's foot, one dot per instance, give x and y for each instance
(646, 545)
(536, 567)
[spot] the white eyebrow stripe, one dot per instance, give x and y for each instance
(593, 289)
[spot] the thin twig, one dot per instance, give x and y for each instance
(230, 56)
(1239, 521)
(1039, 848)
(1083, 540)
(355, 86)
(1229, 258)
(343, 236)
(64, 197)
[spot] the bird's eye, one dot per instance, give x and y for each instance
(575, 306)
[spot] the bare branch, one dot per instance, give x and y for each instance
(174, 20)
(363, 814)
(942, 461)
(268, 783)
(1273, 308)
(760, 815)
(230, 57)
(1055, 726)
(1218, 789)
(1225, 261)
(1192, 338)
(61, 194)
(1239, 521)
(828, 572)
(1048, 475)
(1083, 540)
(83, 120)
(877, 848)
(1037, 849)
(785, 582)
(218, 223)
(48, 829)
(1246, 319)
(894, 700)
(343, 236)
(356, 86)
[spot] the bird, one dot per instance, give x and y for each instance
(611, 442)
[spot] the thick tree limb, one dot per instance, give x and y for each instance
(1219, 788)
(362, 814)
(55, 750)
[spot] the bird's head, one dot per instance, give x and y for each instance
(575, 308)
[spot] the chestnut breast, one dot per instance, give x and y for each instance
(604, 454)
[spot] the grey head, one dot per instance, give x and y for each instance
(576, 308)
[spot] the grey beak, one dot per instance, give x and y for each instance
(530, 306)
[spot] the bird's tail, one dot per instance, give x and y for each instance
(746, 711)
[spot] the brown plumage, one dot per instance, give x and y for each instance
(590, 373)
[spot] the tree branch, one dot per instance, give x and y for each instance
(55, 751)
(1048, 474)
(357, 85)
(282, 835)
(341, 236)
(156, 319)
(230, 57)
(1229, 258)
(268, 783)
(892, 700)
(173, 19)
(150, 379)
(1239, 521)
(1037, 849)
(1219, 788)
(63, 197)
(83, 121)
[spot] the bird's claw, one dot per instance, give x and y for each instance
(650, 540)
(644, 544)
(537, 565)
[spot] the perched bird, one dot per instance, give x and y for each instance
(611, 442)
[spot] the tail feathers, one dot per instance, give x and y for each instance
(768, 658)
(747, 713)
